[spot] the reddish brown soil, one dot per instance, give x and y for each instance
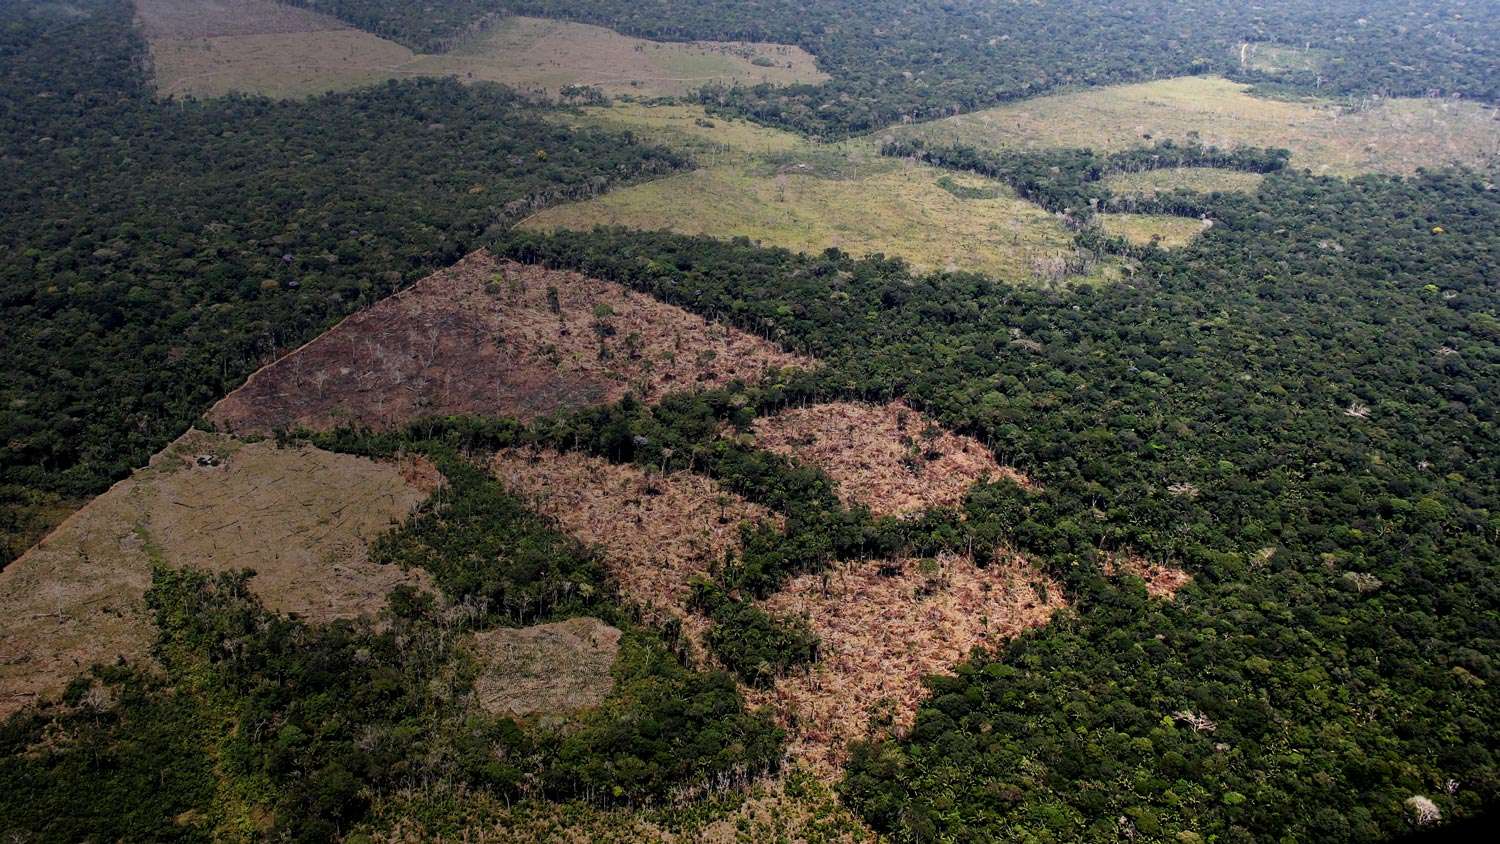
(300, 517)
(888, 457)
(482, 338)
(215, 18)
(882, 634)
(657, 531)
(1162, 581)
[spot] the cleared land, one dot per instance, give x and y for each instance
(1277, 58)
(1162, 581)
(886, 456)
(209, 48)
(494, 338)
(548, 55)
(782, 191)
(657, 531)
(1198, 179)
(300, 517)
(547, 670)
(1396, 135)
(881, 634)
(788, 809)
(1167, 231)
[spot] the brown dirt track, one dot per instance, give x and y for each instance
(879, 460)
(882, 634)
(300, 517)
(480, 338)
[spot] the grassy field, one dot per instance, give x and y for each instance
(282, 64)
(546, 55)
(1397, 135)
(1141, 228)
(214, 48)
(1280, 58)
(1198, 179)
(300, 517)
(780, 190)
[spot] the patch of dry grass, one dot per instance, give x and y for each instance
(546, 670)
(1168, 231)
(302, 518)
(887, 456)
(882, 633)
(1148, 183)
(1395, 135)
(870, 205)
(209, 48)
(285, 65)
(494, 338)
(548, 55)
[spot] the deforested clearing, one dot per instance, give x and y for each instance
(300, 517)
(549, 55)
(494, 338)
(209, 48)
(1149, 183)
(217, 18)
(1162, 581)
(213, 48)
(888, 457)
(657, 531)
(546, 670)
(1164, 230)
(883, 626)
(1377, 135)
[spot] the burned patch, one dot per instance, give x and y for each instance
(888, 457)
(882, 633)
(657, 531)
(494, 338)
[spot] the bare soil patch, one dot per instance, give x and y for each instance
(546, 670)
(887, 456)
(1162, 581)
(548, 55)
(216, 18)
(882, 633)
(494, 338)
(657, 531)
(300, 517)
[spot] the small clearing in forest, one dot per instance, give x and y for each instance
(494, 338)
(887, 456)
(1162, 581)
(884, 625)
(657, 531)
(546, 670)
(1165, 230)
(1395, 135)
(1149, 183)
(300, 517)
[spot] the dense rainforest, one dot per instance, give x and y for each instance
(156, 253)
(901, 60)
